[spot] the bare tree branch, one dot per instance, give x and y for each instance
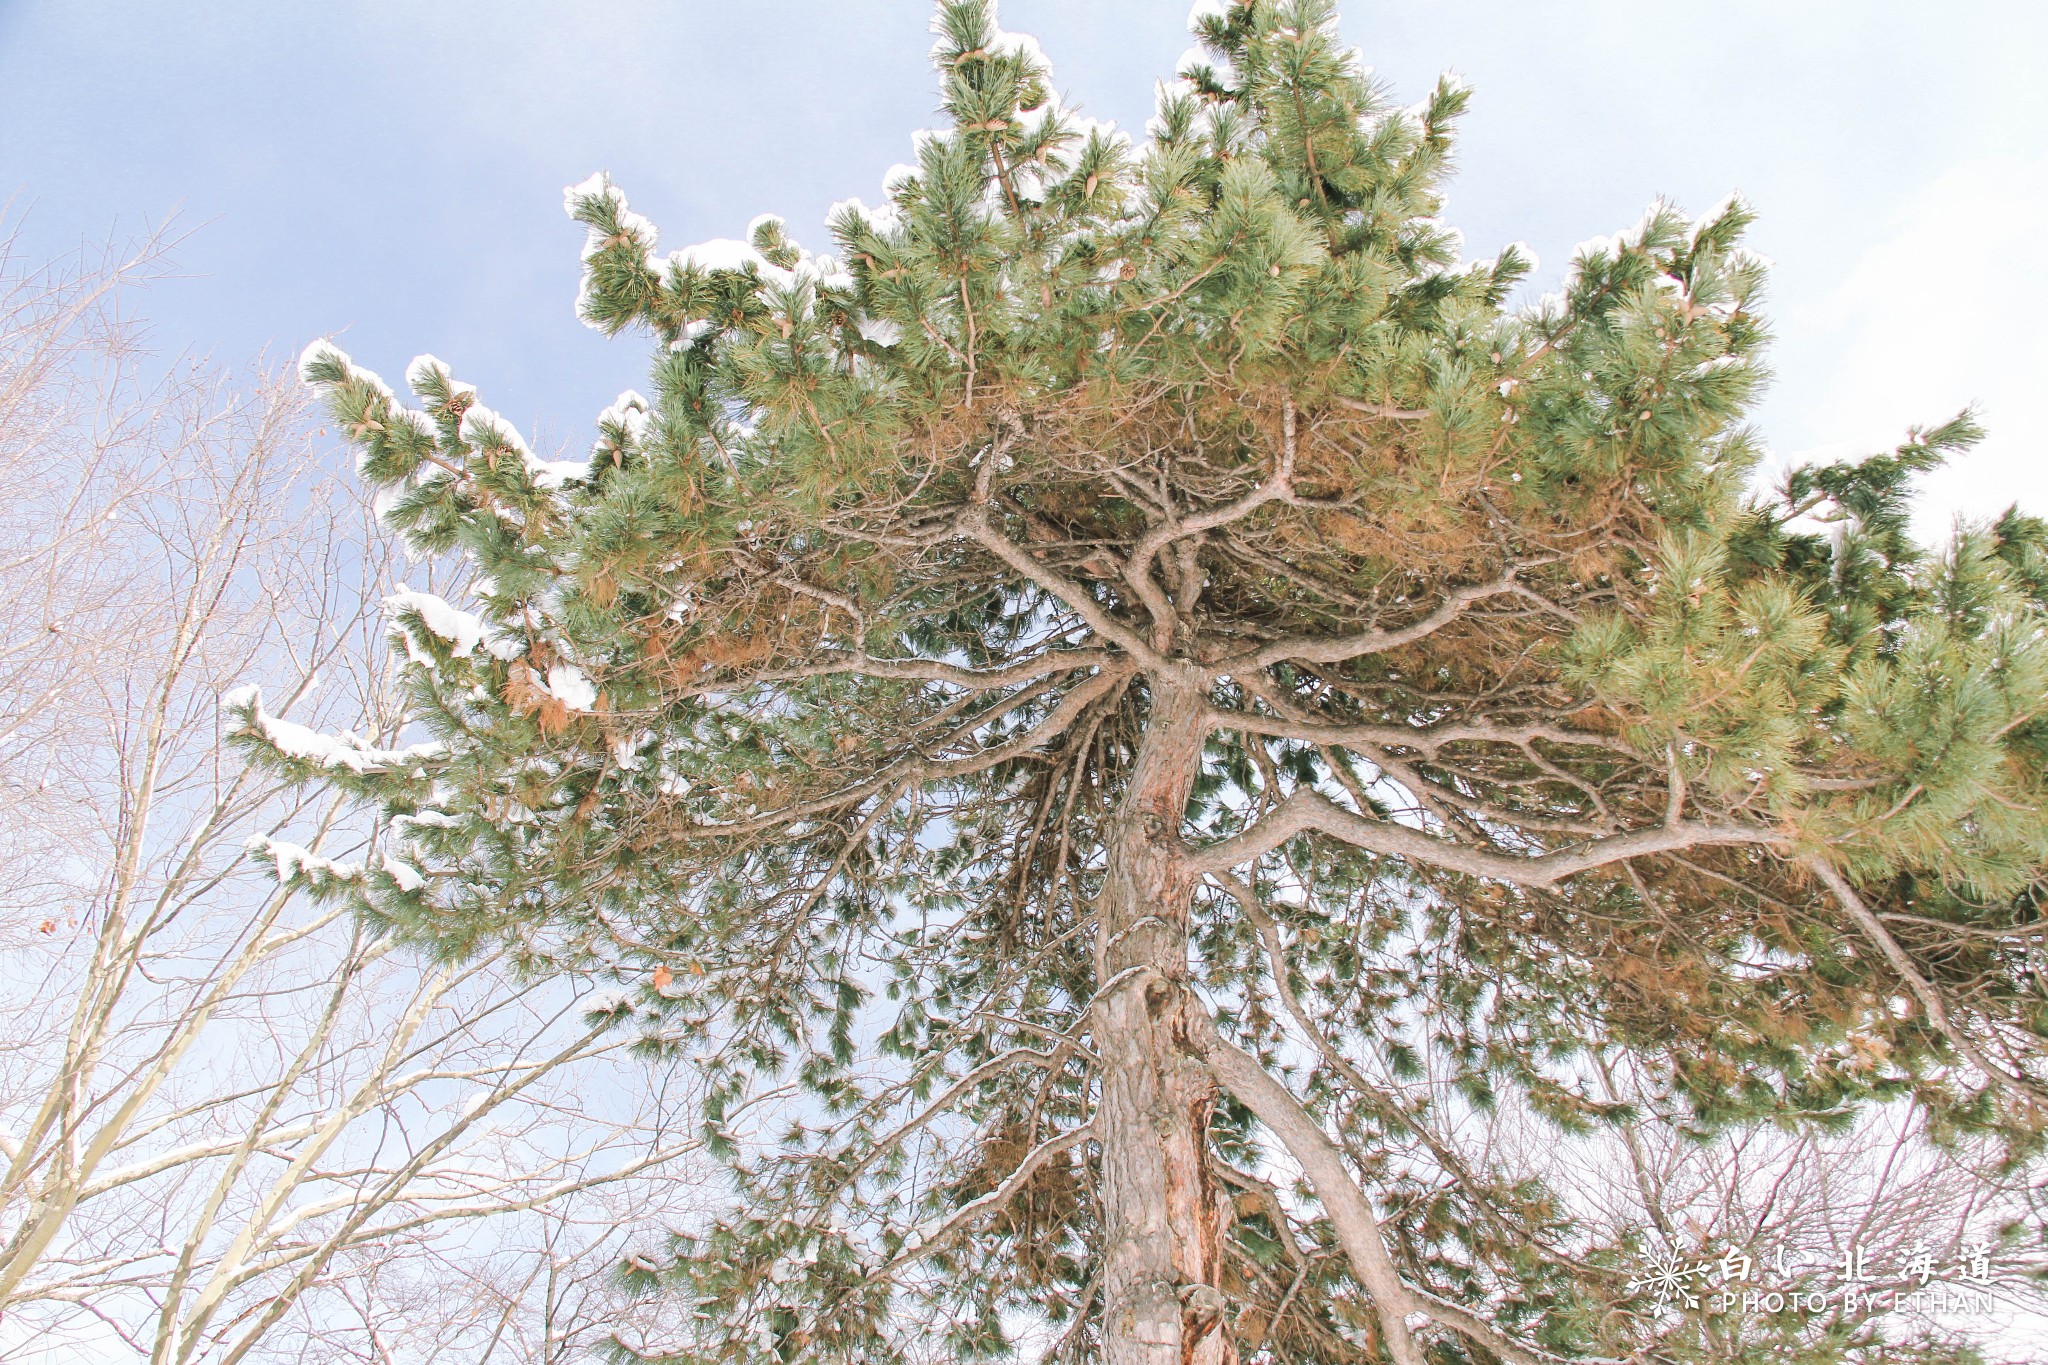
(1306, 811)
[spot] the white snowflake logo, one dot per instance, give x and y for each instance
(1668, 1281)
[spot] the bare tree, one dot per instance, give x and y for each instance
(236, 1123)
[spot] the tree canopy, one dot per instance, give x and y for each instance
(1145, 672)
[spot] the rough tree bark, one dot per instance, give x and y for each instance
(1163, 1213)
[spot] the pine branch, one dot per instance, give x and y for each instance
(1309, 811)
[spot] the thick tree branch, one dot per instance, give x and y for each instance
(1020, 1056)
(932, 670)
(1386, 410)
(1358, 1229)
(974, 524)
(1469, 1324)
(1427, 740)
(1320, 649)
(917, 768)
(1923, 990)
(988, 1203)
(1307, 811)
(1278, 486)
(1276, 963)
(1351, 1215)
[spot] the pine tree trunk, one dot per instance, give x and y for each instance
(1163, 1217)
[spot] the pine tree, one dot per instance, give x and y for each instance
(1144, 652)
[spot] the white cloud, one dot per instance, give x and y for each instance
(1948, 310)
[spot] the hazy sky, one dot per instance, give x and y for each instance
(392, 173)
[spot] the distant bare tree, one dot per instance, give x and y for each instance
(1794, 1209)
(235, 1124)
(1885, 1205)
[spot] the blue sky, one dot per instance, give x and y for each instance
(392, 173)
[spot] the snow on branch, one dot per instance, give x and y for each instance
(305, 745)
